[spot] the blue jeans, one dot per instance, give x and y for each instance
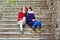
(37, 24)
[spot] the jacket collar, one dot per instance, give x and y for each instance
(30, 12)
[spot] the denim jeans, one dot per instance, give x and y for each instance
(37, 24)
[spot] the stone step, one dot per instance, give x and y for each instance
(43, 11)
(57, 28)
(41, 16)
(24, 36)
(15, 13)
(42, 19)
(17, 7)
(31, 4)
(17, 30)
(19, 36)
(20, 4)
(10, 24)
(28, 28)
(36, 15)
(26, 39)
(7, 20)
(16, 33)
(28, 33)
(3, 23)
(23, 3)
(14, 22)
(30, 0)
(16, 26)
(15, 17)
(15, 10)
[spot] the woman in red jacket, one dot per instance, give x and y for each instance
(21, 20)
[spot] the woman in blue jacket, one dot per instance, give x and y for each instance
(32, 21)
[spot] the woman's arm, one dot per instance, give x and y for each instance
(18, 16)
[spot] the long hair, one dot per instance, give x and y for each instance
(21, 9)
(26, 9)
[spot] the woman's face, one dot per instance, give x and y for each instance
(29, 9)
(23, 9)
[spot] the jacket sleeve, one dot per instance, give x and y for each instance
(33, 17)
(27, 17)
(19, 17)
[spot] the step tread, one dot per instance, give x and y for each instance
(30, 0)
(17, 28)
(16, 20)
(8, 28)
(57, 28)
(24, 33)
(35, 15)
(17, 24)
(26, 38)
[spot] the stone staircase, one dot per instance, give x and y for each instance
(9, 29)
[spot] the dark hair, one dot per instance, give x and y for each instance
(21, 9)
(30, 8)
(26, 9)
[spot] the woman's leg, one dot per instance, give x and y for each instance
(21, 25)
(34, 26)
(37, 24)
(24, 20)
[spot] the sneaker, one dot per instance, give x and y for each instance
(32, 31)
(37, 30)
(22, 32)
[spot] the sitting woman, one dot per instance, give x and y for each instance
(21, 19)
(32, 21)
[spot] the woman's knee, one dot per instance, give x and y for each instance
(24, 18)
(38, 24)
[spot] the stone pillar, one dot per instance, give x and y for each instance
(56, 9)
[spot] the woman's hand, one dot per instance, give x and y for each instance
(33, 19)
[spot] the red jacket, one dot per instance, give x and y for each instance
(20, 16)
